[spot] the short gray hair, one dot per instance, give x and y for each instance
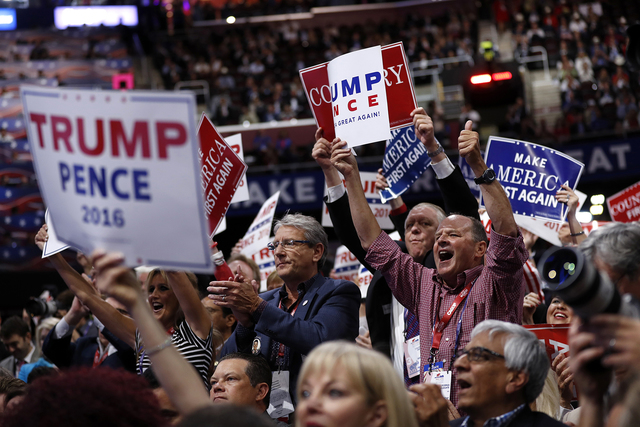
(313, 231)
(616, 244)
(522, 352)
(440, 214)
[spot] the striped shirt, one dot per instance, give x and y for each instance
(497, 294)
(197, 351)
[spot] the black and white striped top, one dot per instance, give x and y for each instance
(197, 351)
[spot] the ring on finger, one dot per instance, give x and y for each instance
(224, 297)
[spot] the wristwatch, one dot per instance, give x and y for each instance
(439, 150)
(487, 177)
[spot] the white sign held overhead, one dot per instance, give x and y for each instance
(359, 97)
(120, 171)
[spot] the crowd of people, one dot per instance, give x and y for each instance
(442, 343)
(253, 71)
(587, 43)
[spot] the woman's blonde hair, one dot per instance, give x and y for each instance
(158, 272)
(548, 401)
(370, 372)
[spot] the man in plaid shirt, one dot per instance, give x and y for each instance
(473, 280)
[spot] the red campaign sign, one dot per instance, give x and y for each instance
(554, 337)
(625, 205)
(401, 98)
(222, 172)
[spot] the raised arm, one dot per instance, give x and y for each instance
(120, 325)
(363, 219)
(495, 199)
(194, 312)
(339, 210)
(177, 376)
(568, 196)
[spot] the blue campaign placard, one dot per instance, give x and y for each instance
(531, 175)
(405, 160)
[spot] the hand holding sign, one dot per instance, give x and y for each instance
(566, 195)
(342, 158)
(322, 151)
(469, 147)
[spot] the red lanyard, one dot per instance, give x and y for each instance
(97, 360)
(295, 307)
(440, 325)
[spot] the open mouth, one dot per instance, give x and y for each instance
(463, 384)
(445, 255)
(560, 316)
(156, 306)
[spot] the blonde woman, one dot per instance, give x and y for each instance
(343, 385)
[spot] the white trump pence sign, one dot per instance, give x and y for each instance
(120, 171)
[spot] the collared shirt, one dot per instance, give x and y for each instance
(501, 421)
(497, 294)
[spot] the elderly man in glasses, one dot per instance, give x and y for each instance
(501, 371)
(285, 324)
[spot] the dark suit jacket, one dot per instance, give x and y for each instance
(64, 353)
(457, 198)
(526, 418)
(328, 311)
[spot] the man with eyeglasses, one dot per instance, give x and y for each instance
(472, 281)
(501, 371)
(285, 324)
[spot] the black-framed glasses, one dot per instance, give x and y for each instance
(286, 244)
(478, 354)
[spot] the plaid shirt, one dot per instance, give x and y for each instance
(497, 294)
(501, 421)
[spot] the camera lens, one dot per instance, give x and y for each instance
(560, 268)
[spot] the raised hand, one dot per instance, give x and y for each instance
(42, 236)
(115, 279)
(342, 158)
(424, 128)
(469, 145)
(322, 151)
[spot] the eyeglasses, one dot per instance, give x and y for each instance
(286, 244)
(478, 354)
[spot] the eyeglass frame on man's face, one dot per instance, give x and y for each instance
(286, 244)
(478, 354)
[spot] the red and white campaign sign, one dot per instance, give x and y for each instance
(222, 171)
(266, 263)
(242, 191)
(257, 236)
(380, 211)
(120, 171)
(625, 205)
(346, 265)
(554, 337)
(401, 98)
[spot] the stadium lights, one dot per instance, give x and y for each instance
(231, 19)
(596, 209)
(486, 78)
(597, 199)
(584, 217)
(480, 78)
(505, 75)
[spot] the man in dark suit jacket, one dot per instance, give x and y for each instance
(423, 220)
(104, 350)
(285, 324)
(500, 371)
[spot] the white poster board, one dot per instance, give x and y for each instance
(120, 171)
